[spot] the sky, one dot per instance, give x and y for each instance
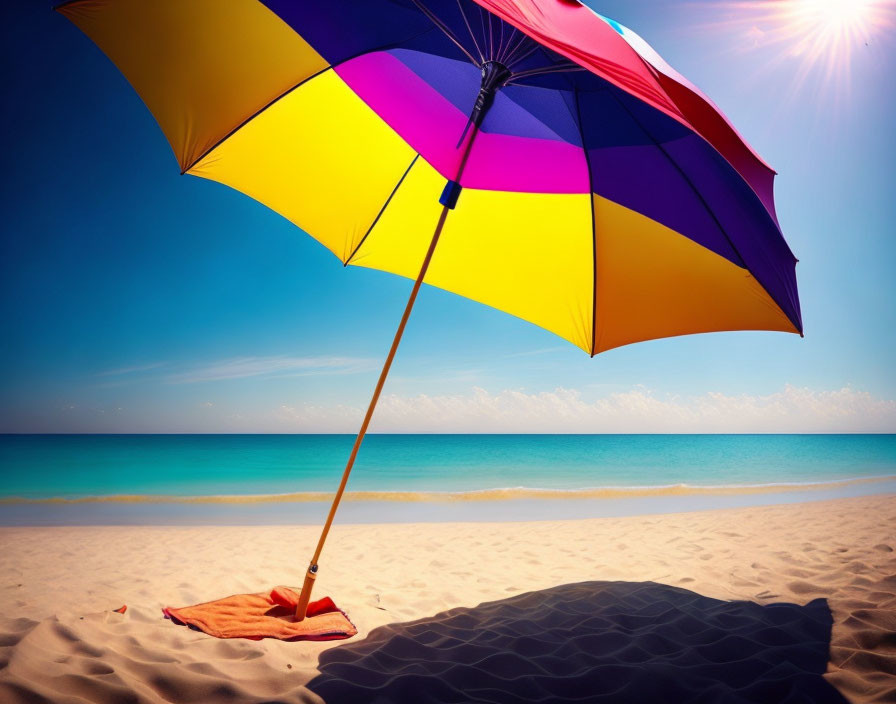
(133, 299)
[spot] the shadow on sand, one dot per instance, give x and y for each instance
(592, 642)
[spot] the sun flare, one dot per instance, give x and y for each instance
(836, 13)
(829, 29)
(815, 37)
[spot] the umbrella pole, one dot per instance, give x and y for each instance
(311, 574)
(493, 76)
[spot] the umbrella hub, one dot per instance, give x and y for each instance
(494, 76)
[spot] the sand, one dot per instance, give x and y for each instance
(778, 603)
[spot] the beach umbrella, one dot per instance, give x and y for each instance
(531, 155)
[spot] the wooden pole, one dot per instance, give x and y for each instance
(310, 576)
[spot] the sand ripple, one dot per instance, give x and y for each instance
(596, 642)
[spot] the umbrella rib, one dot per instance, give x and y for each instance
(699, 195)
(470, 30)
(491, 42)
(511, 50)
(566, 68)
(482, 25)
(593, 226)
(500, 43)
(504, 54)
(251, 117)
(525, 55)
(382, 210)
(444, 28)
(289, 90)
(680, 171)
(513, 55)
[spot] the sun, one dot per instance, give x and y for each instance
(810, 38)
(825, 33)
(836, 14)
(828, 29)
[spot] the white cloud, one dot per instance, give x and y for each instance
(309, 418)
(243, 367)
(131, 370)
(791, 410)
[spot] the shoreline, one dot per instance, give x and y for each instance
(313, 513)
(441, 496)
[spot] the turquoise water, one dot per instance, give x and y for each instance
(73, 466)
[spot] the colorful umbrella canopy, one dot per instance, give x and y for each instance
(605, 198)
(592, 190)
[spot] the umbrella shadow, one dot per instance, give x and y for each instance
(592, 642)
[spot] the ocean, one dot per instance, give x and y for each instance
(237, 467)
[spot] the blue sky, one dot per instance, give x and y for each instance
(136, 300)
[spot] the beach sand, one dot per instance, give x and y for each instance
(675, 608)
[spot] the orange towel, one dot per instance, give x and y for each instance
(265, 615)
